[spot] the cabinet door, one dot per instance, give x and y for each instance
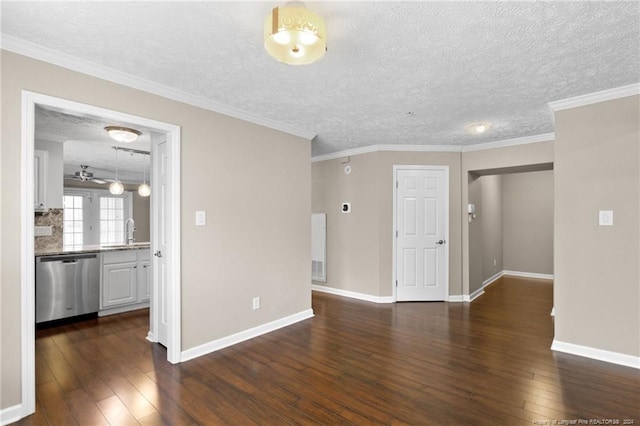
(40, 159)
(144, 281)
(119, 284)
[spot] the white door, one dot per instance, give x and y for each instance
(421, 230)
(159, 194)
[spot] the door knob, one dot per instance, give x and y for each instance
(440, 242)
(158, 253)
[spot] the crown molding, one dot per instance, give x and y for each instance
(35, 51)
(545, 137)
(389, 147)
(435, 148)
(593, 98)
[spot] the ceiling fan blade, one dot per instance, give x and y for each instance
(100, 181)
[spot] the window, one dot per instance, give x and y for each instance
(111, 220)
(95, 217)
(72, 227)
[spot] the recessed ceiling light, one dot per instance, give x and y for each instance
(478, 128)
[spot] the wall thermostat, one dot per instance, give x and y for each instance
(346, 207)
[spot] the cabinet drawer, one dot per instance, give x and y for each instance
(145, 254)
(119, 256)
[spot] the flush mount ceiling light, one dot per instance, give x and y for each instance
(295, 35)
(123, 134)
(478, 128)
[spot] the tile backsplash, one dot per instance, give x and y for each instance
(52, 218)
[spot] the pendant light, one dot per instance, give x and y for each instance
(116, 187)
(144, 190)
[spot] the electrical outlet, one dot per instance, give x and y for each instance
(256, 303)
(43, 231)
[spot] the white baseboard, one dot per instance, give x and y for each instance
(599, 354)
(121, 309)
(455, 298)
(492, 279)
(10, 414)
(152, 337)
(473, 296)
(528, 275)
(233, 339)
(352, 294)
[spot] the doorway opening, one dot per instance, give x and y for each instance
(164, 229)
(510, 223)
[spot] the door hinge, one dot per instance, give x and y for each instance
(396, 283)
(396, 184)
(396, 234)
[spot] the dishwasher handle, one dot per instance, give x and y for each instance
(67, 258)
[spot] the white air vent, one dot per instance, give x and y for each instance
(318, 247)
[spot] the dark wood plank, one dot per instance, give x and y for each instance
(355, 362)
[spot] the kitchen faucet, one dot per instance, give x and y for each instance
(129, 230)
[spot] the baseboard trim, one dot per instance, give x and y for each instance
(233, 339)
(594, 353)
(473, 296)
(534, 275)
(121, 309)
(492, 279)
(10, 414)
(352, 294)
(455, 298)
(151, 337)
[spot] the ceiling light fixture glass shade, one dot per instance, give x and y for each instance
(123, 134)
(478, 128)
(144, 190)
(295, 35)
(116, 187)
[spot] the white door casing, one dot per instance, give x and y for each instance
(420, 233)
(27, 266)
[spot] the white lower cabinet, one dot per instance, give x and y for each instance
(125, 282)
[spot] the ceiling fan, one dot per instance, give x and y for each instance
(86, 176)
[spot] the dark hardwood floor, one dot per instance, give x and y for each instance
(484, 363)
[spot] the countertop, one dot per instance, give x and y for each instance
(90, 249)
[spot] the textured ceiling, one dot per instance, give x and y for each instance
(85, 142)
(394, 73)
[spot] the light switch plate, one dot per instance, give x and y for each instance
(605, 218)
(201, 218)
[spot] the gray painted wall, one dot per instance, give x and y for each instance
(597, 167)
(527, 221)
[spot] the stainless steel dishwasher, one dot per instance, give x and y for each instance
(67, 285)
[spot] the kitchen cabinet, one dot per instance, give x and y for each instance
(40, 159)
(125, 281)
(144, 279)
